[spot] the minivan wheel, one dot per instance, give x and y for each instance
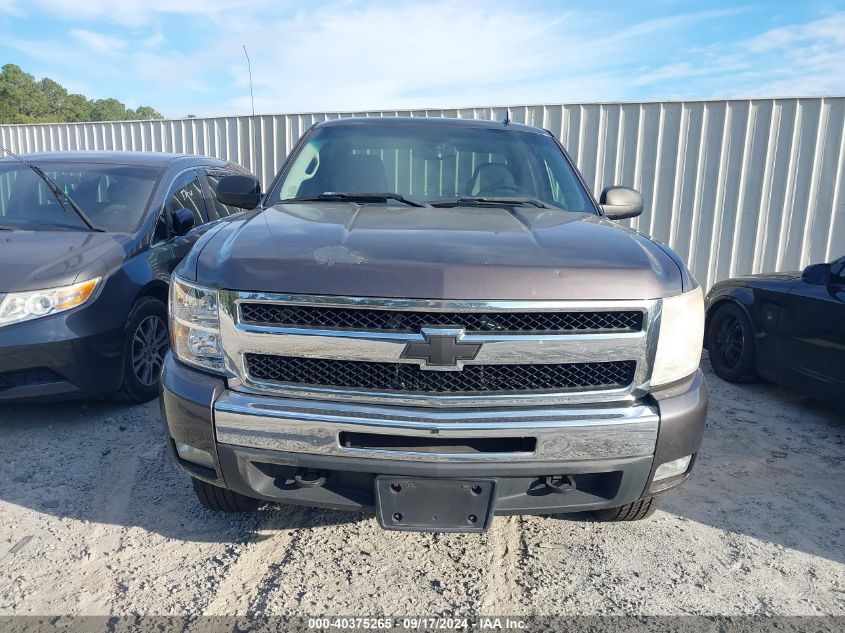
(730, 343)
(145, 343)
(221, 499)
(641, 509)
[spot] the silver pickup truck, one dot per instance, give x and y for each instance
(433, 320)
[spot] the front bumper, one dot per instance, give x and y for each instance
(260, 445)
(63, 356)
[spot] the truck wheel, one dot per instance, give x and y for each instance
(145, 343)
(730, 342)
(635, 511)
(221, 499)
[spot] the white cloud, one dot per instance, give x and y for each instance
(795, 60)
(438, 54)
(98, 42)
(827, 31)
(134, 13)
(185, 55)
(156, 38)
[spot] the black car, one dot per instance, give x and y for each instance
(88, 241)
(784, 327)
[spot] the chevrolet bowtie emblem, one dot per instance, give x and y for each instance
(441, 348)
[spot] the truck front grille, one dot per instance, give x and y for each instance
(283, 315)
(404, 377)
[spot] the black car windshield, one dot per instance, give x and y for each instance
(114, 197)
(442, 165)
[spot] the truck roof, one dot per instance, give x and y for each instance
(429, 121)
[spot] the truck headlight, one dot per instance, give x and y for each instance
(24, 306)
(195, 325)
(681, 337)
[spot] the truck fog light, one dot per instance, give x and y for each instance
(195, 455)
(673, 468)
(203, 343)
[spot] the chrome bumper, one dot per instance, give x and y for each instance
(313, 427)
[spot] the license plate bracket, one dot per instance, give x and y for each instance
(434, 505)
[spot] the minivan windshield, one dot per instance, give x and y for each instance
(114, 197)
(441, 165)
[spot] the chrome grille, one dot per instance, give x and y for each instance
(413, 321)
(354, 349)
(472, 379)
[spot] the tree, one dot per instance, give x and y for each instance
(146, 112)
(21, 98)
(25, 100)
(76, 108)
(108, 110)
(55, 96)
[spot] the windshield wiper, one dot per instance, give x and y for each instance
(57, 191)
(521, 201)
(355, 197)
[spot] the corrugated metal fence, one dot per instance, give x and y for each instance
(734, 186)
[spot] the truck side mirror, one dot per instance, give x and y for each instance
(817, 274)
(618, 203)
(182, 221)
(239, 191)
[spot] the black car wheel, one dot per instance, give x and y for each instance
(145, 344)
(730, 342)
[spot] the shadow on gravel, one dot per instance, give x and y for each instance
(770, 467)
(105, 462)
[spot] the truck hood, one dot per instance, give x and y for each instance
(33, 260)
(437, 253)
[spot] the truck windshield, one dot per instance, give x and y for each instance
(442, 165)
(114, 197)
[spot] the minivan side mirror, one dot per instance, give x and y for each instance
(239, 190)
(817, 274)
(618, 203)
(182, 221)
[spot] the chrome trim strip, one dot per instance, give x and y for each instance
(414, 399)
(385, 346)
(436, 305)
(306, 426)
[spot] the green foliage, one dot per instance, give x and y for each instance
(25, 100)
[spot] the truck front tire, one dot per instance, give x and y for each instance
(641, 509)
(222, 500)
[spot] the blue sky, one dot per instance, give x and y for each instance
(185, 56)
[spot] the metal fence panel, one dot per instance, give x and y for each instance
(736, 186)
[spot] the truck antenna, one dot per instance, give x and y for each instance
(507, 120)
(252, 100)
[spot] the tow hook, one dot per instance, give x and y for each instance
(558, 484)
(309, 478)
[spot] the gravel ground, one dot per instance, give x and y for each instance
(97, 520)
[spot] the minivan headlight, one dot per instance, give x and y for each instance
(195, 325)
(24, 306)
(680, 339)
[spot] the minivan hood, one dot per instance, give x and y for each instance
(437, 253)
(33, 260)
